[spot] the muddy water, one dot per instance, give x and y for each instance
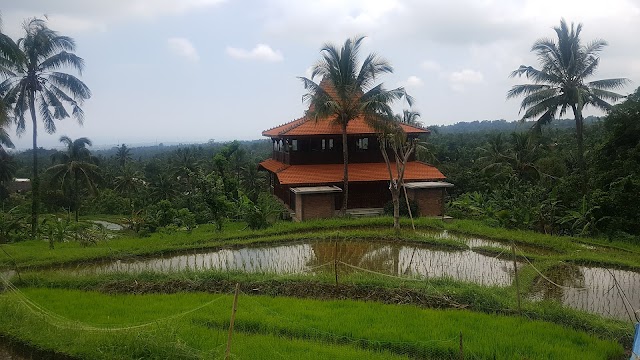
(312, 257)
(593, 290)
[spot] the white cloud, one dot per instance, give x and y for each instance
(412, 82)
(262, 52)
(459, 80)
(83, 15)
(183, 47)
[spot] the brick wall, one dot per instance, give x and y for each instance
(315, 206)
(429, 201)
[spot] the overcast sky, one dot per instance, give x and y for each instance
(194, 70)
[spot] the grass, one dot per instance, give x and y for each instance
(269, 327)
(36, 253)
(434, 293)
(321, 339)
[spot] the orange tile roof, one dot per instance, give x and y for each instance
(306, 126)
(332, 173)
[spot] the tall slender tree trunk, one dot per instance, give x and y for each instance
(577, 112)
(345, 179)
(77, 195)
(35, 182)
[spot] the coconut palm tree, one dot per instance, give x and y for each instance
(75, 168)
(561, 82)
(123, 155)
(33, 84)
(347, 91)
(9, 54)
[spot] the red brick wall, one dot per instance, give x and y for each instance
(315, 206)
(429, 201)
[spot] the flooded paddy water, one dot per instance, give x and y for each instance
(411, 260)
(610, 293)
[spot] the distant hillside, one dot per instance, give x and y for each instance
(506, 126)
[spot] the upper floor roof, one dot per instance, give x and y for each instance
(307, 127)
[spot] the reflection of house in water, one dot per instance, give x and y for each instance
(373, 256)
(306, 169)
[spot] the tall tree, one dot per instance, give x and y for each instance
(9, 54)
(75, 168)
(392, 136)
(123, 155)
(560, 84)
(347, 91)
(34, 84)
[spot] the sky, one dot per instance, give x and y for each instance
(181, 71)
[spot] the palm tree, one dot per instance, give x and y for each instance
(561, 83)
(76, 166)
(123, 154)
(348, 91)
(129, 183)
(34, 84)
(9, 54)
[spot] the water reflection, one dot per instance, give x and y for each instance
(316, 256)
(592, 289)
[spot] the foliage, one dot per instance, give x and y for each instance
(33, 79)
(561, 84)
(76, 167)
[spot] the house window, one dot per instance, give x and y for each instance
(327, 144)
(294, 145)
(362, 144)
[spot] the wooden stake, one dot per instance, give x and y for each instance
(335, 261)
(515, 274)
(233, 318)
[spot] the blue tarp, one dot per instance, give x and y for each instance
(635, 350)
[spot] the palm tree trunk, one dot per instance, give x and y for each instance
(77, 195)
(345, 179)
(35, 183)
(577, 112)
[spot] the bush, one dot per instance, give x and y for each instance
(109, 202)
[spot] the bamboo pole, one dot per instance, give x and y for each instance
(233, 318)
(515, 274)
(335, 261)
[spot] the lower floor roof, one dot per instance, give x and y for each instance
(358, 172)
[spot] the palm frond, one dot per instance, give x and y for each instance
(79, 91)
(604, 84)
(62, 59)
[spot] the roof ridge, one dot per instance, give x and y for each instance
(281, 125)
(293, 126)
(416, 126)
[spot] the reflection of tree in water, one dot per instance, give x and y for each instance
(374, 256)
(564, 274)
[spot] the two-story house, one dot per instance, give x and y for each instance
(306, 169)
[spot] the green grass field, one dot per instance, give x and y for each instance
(291, 322)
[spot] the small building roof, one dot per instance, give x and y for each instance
(358, 172)
(316, 190)
(428, 185)
(307, 126)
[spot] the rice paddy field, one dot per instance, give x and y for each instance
(334, 289)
